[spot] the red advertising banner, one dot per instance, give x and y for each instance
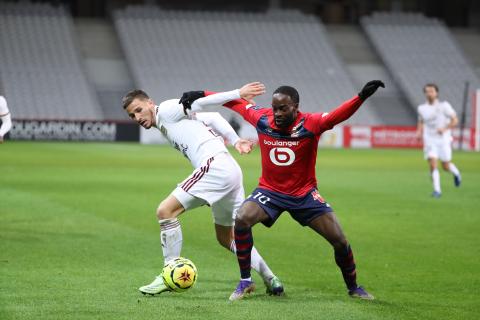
(397, 137)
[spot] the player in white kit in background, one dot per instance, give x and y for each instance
(436, 119)
(5, 118)
(216, 181)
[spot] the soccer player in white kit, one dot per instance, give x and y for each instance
(217, 178)
(435, 120)
(5, 118)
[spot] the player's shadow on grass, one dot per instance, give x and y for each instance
(204, 297)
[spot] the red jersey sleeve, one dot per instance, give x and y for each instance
(248, 111)
(320, 122)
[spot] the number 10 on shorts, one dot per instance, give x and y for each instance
(260, 197)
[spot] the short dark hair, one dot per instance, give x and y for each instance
(431, 85)
(289, 91)
(132, 95)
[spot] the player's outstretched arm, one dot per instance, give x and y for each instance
(199, 100)
(221, 126)
(216, 99)
(242, 104)
(344, 111)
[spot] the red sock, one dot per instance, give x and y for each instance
(346, 263)
(244, 244)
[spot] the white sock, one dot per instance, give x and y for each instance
(436, 180)
(453, 169)
(258, 264)
(171, 238)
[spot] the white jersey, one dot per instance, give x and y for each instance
(217, 178)
(4, 117)
(436, 116)
(193, 134)
(3, 106)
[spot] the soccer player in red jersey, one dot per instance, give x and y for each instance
(288, 141)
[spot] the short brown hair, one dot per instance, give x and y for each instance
(132, 95)
(431, 85)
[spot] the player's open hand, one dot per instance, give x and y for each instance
(244, 146)
(370, 88)
(251, 90)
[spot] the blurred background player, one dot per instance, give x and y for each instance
(216, 181)
(436, 119)
(5, 118)
(288, 141)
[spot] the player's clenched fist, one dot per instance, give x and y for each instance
(251, 90)
(189, 97)
(370, 88)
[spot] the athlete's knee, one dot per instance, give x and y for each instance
(446, 166)
(249, 214)
(163, 212)
(169, 208)
(243, 219)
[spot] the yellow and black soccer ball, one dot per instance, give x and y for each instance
(179, 274)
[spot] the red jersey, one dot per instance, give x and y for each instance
(289, 155)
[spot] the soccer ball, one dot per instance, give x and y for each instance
(179, 275)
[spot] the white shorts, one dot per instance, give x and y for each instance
(439, 150)
(217, 183)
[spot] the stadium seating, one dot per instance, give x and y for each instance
(418, 50)
(172, 51)
(40, 68)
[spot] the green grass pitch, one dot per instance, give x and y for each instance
(78, 236)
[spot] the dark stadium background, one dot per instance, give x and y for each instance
(462, 13)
